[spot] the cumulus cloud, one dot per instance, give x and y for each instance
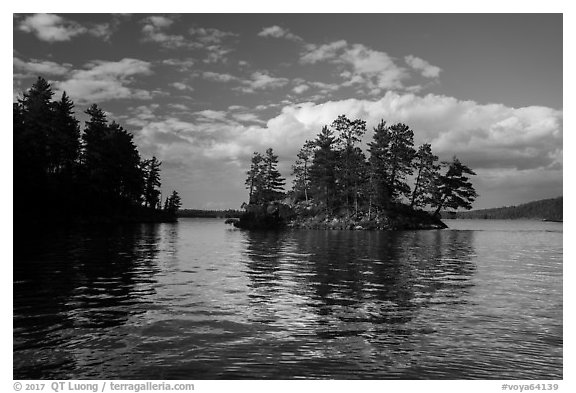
(361, 66)
(497, 141)
(51, 28)
(210, 35)
(219, 77)
(279, 32)
(54, 28)
(213, 41)
(212, 114)
(182, 64)
(154, 30)
(39, 67)
(261, 80)
(426, 69)
(301, 88)
(181, 86)
(106, 80)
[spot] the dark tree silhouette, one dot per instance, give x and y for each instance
(454, 189)
(255, 180)
(391, 155)
(68, 176)
(64, 147)
(323, 168)
(350, 168)
(301, 170)
(273, 180)
(151, 170)
(427, 174)
(173, 203)
(264, 182)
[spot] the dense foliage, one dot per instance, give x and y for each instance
(64, 174)
(333, 174)
(545, 209)
(264, 180)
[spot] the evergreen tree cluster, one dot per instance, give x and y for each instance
(333, 171)
(64, 173)
(264, 181)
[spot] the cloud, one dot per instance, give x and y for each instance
(279, 32)
(181, 86)
(51, 28)
(261, 80)
(182, 64)
(212, 115)
(35, 67)
(257, 81)
(160, 21)
(213, 42)
(106, 80)
(361, 66)
(54, 28)
(301, 88)
(326, 52)
(497, 141)
(210, 36)
(154, 31)
(218, 77)
(427, 70)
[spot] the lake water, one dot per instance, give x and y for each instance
(200, 300)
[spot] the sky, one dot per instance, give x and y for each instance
(202, 92)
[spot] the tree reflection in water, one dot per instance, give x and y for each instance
(362, 289)
(69, 284)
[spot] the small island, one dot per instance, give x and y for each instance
(398, 187)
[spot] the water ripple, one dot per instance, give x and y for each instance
(195, 300)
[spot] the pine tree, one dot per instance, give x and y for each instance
(255, 180)
(112, 164)
(273, 180)
(301, 170)
(65, 140)
(427, 173)
(37, 119)
(323, 169)
(173, 203)
(454, 189)
(151, 169)
(95, 131)
(391, 155)
(349, 172)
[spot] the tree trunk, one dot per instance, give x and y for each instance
(415, 187)
(305, 181)
(440, 205)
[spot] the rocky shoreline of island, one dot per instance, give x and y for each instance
(279, 215)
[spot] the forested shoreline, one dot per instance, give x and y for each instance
(64, 174)
(337, 186)
(545, 209)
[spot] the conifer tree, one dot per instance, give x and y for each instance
(32, 143)
(301, 169)
(255, 180)
(151, 169)
(65, 141)
(349, 171)
(391, 155)
(173, 203)
(273, 180)
(323, 169)
(427, 173)
(454, 189)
